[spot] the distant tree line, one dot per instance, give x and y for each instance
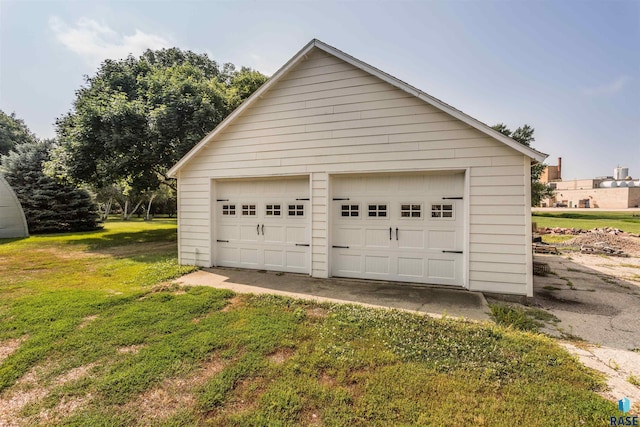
(129, 124)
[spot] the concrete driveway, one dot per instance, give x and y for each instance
(596, 298)
(432, 300)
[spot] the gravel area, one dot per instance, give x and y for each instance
(628, 244)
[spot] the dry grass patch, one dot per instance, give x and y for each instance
(234, 304)
(87, 320)
(317, 312)
(74, 374)
(7, 347)
(32, 387)
(65, 408)
(280, 356)
(25, 391)
(131, 349)
(172, 394)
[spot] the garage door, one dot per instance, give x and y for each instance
(263, 224)
(407, 228)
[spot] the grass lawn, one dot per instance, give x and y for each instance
(586, 220)
(90, 336)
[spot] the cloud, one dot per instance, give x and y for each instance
(608, 89)
(96, 42)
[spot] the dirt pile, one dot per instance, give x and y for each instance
(578, 231)
(606, 243)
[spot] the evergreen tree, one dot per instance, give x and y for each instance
(50, 206)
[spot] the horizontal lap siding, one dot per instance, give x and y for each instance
(194, 221)
(326, 116)
(498, 227)
(319, 224)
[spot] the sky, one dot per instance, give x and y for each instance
(569, 68)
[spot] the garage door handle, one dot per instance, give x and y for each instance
(302, 244)
(340, 247)
(222, 241)
(451, 252)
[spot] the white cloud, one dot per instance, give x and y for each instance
(608, 89)
(96, 42)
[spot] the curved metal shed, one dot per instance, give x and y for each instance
(12, 220)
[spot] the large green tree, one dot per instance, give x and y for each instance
(136, 117)
(13, 132)
(49, 205)
(524, 135)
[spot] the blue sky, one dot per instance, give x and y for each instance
(569, 68)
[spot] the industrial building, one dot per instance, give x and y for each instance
(619, 191)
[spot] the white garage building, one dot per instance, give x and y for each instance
(335, 169)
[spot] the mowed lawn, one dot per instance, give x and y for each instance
(93, 334)
(586, 220)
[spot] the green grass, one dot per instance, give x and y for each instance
(102, 339)
(587, 220)
(556, 238)
(523, 319)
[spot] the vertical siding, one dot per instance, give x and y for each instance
(326, 116)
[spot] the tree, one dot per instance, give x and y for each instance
(524, 135)
(13, 132)
(137, 117)
(50, 206)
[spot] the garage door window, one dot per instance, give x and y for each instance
(248, 210)
(350, 210)
(273, 210)
(229, 210)
(411, 211)
(296, 210)
(377, 211)
(443, 211)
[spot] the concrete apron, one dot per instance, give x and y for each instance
(431, 300)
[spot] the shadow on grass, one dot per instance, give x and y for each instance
(12, 239)
(126, 238)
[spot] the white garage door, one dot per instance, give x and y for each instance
(407, 228)
(263, 224)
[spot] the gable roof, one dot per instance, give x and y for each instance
(317, 44)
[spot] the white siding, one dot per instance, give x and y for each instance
(12, 221)
(326, 116)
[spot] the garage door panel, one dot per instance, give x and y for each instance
(229, 255)
(411, 238)
(346, 264)
(444, 239)
(411, 267)
(348, 237)
(295, 234)
(376, 265)
(275, 234)
(228, 232)
(249, 233)
(260, 222)
(249, 256)
(273, 258)
(297, 259)
(377, 238)
(441, 269)
(423, 212)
